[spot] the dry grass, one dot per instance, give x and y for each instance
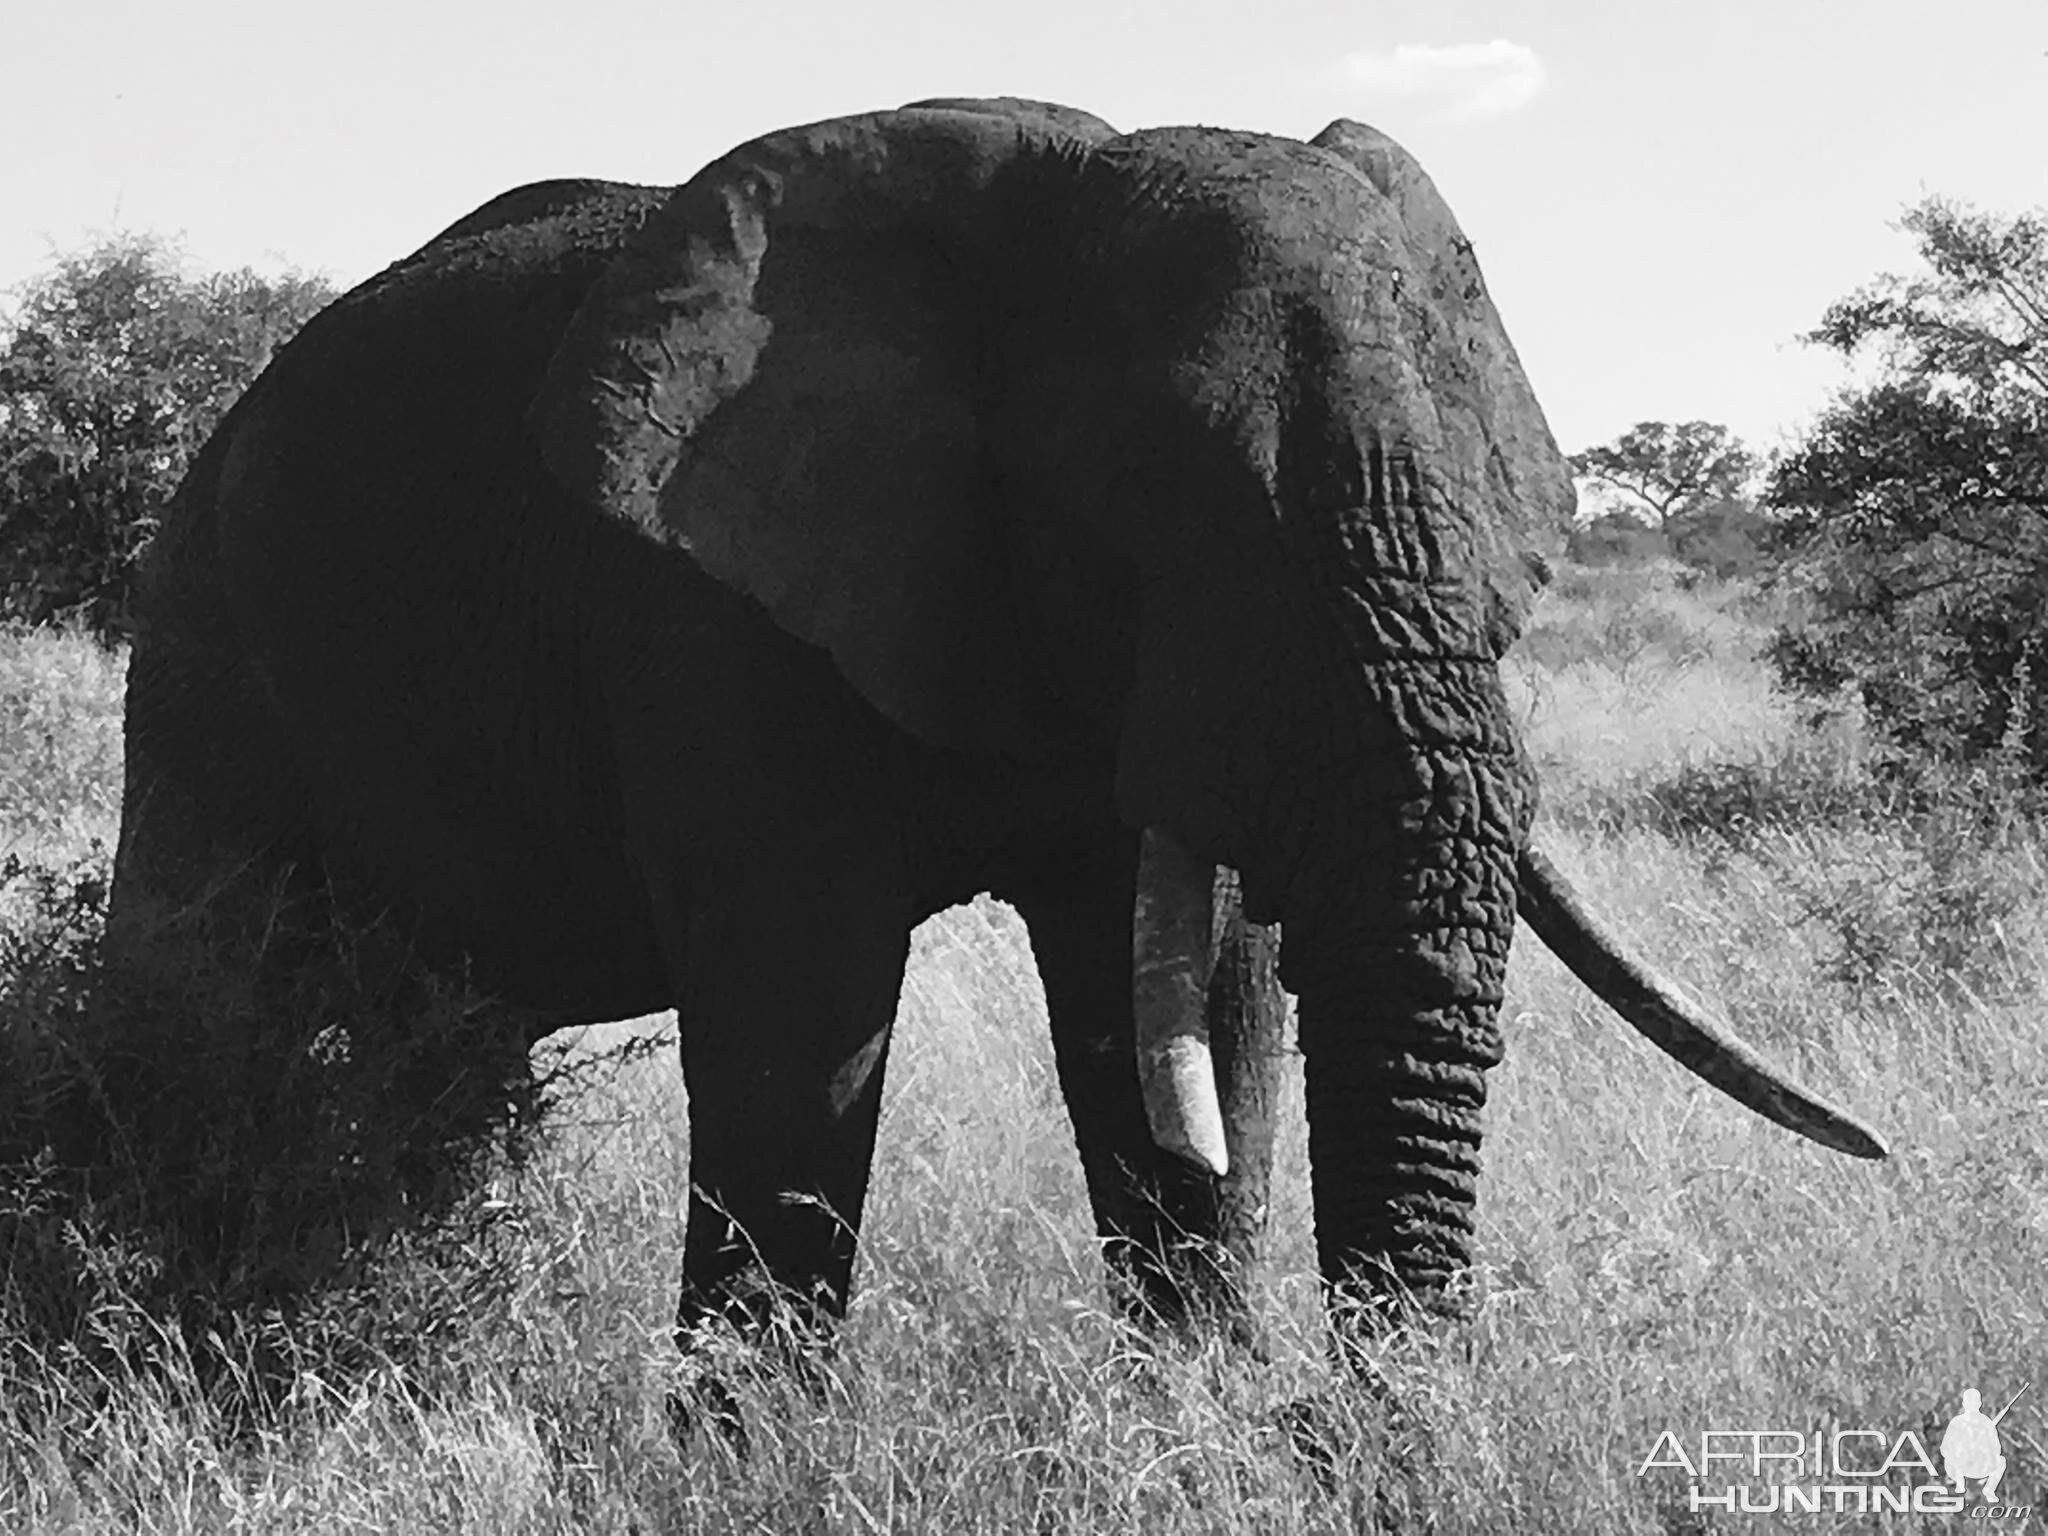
(60, 743)
(1651, 1256)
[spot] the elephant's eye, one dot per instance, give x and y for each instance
(1338, 478)
(1320, 466)
(1362, 503)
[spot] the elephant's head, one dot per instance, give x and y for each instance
(1202, 450)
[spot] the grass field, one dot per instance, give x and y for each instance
(1652, 1258)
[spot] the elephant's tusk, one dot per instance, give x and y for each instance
(1171, 956)
(1553, 909)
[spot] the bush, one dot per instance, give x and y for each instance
(1939, 912)
(1725, 539)
(1915, 509)
(1735, 802)
(1907, 879)
(197, 1148)
(1615, 538)
(1619, 617)
(112, 374)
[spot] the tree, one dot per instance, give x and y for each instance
(1916, 510)
(1667, 468)
(113, 371)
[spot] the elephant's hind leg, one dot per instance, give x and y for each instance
(214, 805)
(214, 819)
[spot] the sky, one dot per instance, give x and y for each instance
(1663, 196)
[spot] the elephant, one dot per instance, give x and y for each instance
(660, 597)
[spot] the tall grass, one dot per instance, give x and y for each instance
(60, 742)
(1650, 1256)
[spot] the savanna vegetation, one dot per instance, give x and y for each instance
(487, 1347)
(1652, 1257)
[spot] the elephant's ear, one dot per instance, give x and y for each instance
(779, 376)
(1473, 373)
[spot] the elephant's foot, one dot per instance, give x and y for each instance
(1366, 1441)
(726, 1377)
(1373, 1303)
(704, 1402)
(1193, 1290)
(748, 1341)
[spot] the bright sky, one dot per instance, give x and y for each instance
(1663, 195)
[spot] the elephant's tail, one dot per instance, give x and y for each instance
(1554, 911)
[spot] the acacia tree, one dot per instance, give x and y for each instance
(113, 371)
(1916, 510)
(1669, 468)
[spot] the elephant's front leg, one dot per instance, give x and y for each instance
(787, 989)
(1157, 1215)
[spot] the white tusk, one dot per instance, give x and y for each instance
(1171, 955)
(1553, 909)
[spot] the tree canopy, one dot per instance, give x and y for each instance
(113, 370)
(1667, 468)
(1916, 510)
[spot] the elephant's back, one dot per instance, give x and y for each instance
(379, 487)
(548, 218)
(500, 283)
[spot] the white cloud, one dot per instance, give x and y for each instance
(1462, 80)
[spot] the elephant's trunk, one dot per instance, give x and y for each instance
(1394, 1142)
(1400, 911)
(1398, 1027)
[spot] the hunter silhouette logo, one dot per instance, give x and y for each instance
(1969, 1446)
